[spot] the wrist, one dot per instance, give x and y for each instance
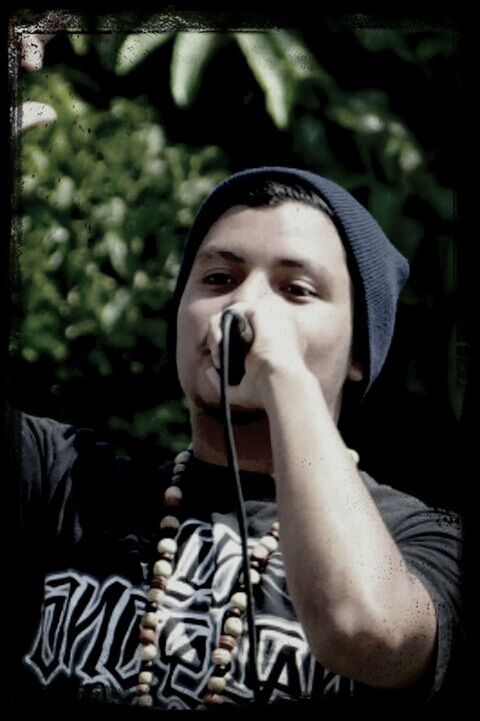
(284, 386)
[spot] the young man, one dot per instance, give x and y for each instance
(357, 588)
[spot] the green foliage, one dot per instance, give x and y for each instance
(105, 205)
(190, 56)
(135, 48)
(107, 198)
(278, 59)
(271, 72)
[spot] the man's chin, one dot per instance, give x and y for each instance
(240, 416)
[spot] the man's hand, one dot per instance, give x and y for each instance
(276, 349)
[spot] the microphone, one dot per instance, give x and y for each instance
(240, 342)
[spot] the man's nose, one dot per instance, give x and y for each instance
(252, 289)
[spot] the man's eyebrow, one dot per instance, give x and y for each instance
(214, 253)
(321, 271)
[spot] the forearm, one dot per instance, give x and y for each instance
(364, 615)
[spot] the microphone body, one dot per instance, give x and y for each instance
(241, 339)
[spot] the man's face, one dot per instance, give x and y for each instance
(291, 259)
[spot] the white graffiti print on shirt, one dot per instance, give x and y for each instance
(90, 630)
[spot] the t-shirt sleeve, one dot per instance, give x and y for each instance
(51, 454)
(71, 481)
(431, 542)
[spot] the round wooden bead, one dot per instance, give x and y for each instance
(217, 684)
(148, 652)
(260, 552)
(147, 635)
(211, 697)
(163, 569)
(167, 545)
(233, 627)
(170, 522)
(156, 596)
(178, 468)
(239, 600)
(182, 457)
(145, 677)
(173, 496)
(227, 642)
(221, 657)
(158, 582)
(143, 688)
(354, 455)
(150, 620)
(234, 612)
(167, 557)
(270, 543)
(144, 700)
(275, 526)
(255, 577)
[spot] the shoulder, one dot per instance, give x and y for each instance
(46, 437)
(404, 514)
(431, 541)
(49, 451)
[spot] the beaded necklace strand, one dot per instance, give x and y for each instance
(163, 569)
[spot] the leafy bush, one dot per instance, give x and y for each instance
(104, 205)
(107, 195)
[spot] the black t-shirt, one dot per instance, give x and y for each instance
(89, 526)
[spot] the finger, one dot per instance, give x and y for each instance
(214, 338)
(241, 307)
(214, 379)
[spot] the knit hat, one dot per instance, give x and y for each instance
(377, 269)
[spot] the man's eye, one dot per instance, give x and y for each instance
(218, 279)
(299, 291)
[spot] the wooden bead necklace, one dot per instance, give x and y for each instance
(233, 623)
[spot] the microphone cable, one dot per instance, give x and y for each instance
(228, 318)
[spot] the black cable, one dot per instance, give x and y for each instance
(226, 324)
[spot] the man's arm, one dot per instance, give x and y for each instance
(364, 614)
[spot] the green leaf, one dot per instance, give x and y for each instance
(442, 44)
(302, 63)
(80, 42)
(441, 198)
(261, 54)
(358, 117)
(409, 157)
(135, 49)
(378, 39)
(385, 206)
(191, 54)
(107, 46)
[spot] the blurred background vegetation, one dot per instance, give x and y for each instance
(152, 113)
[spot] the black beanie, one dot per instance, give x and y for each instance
(377, 268)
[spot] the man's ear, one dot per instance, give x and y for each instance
(355, 372)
